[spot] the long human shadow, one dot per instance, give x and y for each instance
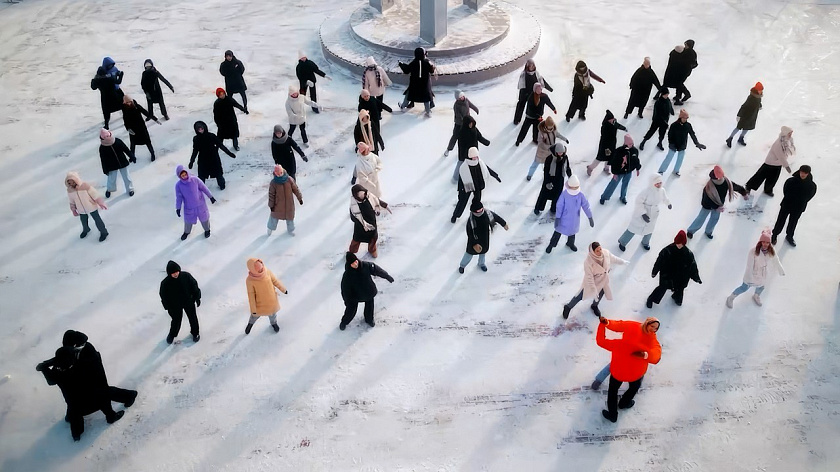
(56, 446)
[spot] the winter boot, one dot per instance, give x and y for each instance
(446, 153)
(649, 303)
(269, 231)
(371, 323)
(483, 268)
(169, 339)
(730, 299)
(640, 114)
(131, 400)
(453, 219)
(153, 158)
(571, 244)
(276, 328)
(460, 270)
(642, 145)
(582, 116)
(84, 233)
(207, 234)
(104, 235)
(595, 385)
(131, 193)
(689, 234)
(528, 178)
(757, 299)
(342, 326)
(248, 328)
(622, 405)
(107, 194)
(622, 247)
(184, 236)
(710, 236)
(595, 309)
(601, 201)
(646, 247)
(116, 417)
(626, 115)
(623, 200)
(606, 414)
(742, 142)
(660, 146)
(566, 310)
(789, 239)
(536, 212)
(196, 337)
(729, 142)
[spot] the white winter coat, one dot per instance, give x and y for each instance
(597, 277)
(367, 173)
(296, 108)
(84, 199)
(647, 203)
(777, 156)
(370, 81)
(755, 274)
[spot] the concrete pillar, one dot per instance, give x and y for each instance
(433, 20)
(475, 4)
(381, 5)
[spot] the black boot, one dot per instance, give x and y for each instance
(566, 311)
(642, 145)
(248, 328)
(571, 243)
(595, 309)
(116, 417)
(729, 142)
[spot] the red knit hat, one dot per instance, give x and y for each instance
(759, 86)
(219, 92)
(681, 238)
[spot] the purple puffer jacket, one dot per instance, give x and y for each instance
(567, 221)
(189, 193)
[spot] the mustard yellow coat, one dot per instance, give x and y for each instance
(262, 298)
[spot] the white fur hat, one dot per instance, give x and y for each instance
(473, 152)
(301, 54)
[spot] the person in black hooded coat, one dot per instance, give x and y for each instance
(640, 85)
(134, 123)
(283, 148)
(468, 136)
(357, 286)
(420, 72)
(206, 147)
(606, 145)
(306, 71)
(110, 96)
(675, 266)
(232, 69)
(225, 117)
(662, 112)
(479, 226)
(556, 165)
(582, 90)
(681, 62)
(798, 191)
(150, 82)
(179, 293)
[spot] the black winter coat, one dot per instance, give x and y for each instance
(135, 124)
(420, 72)
(150, 82)
(798, 192)
(357, 284)
(225, 117)
(640, 84)
(676, 267)
(680, 65)
(369, 215)
(479, 229)
(115, 156)
(469, 137)
(678, 135)
(748, 113)
(88, 365)
(553, 184)
(283, 154)
(617, 164)
(477, 178)
(73, 389)
(723, 191)
(233, 70)
(179, 293)
(206, 147)
(662, 110)
(306, 70)
(608, 140)
(374, 107)
(581, 94)
(536, 110)
(110, 96)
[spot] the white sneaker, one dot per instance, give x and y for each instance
(729, 300)
(446, 153)
(757, 299)
(269, 231)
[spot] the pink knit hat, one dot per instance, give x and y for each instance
(718, 172)
(765, 236)
(106, 137)
(278, 170)
(628, 140)
(362, 147)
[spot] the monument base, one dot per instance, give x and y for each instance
(480, 45)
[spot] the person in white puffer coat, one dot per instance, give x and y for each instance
(296, 104)
(645, 213)
(84, 201)
(367, 170)
(596, 278)
(759, 260)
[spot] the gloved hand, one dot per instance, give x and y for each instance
(172, 88)
(591, 223)
(305, 159)
(567, 140)
(699, 281)
(300, 201)
(178, 212)
(286, 292)
(670, 206)
(653, 275)
(190, 166)
(499, 179)
(549, 186)
(390, 279)
(41, 366)
(554, 110)
(646, 218)
(132, 160)
(232, 155)
(212, 200)
(198, 302)
(701, 146)
(639, 354)
(603, 320)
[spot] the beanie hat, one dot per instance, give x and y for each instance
(278, 129)
(558, 148)
(278, 170)
(609, 115)
(683, 114)
(537, 87)
(350, 258)
(172, 267)
(689, 43)
(362, 148)
(301, 54)
(765, 236)
(759, 86)
(229, 53)
(718, 172)
(472, 152)
(370, 61)
(294, 89)
(679, 48)
(219, 92)
(681, 238)
(106, 138)
(476, 206)
(650, 320)
(805, 168)
(628, 140)
(664, 90)
(573, 182)
(656, 179)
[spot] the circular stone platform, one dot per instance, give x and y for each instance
(479, 46)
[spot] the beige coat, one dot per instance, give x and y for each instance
(262, 299)
(84, 198)
(367, 173)
(280, 199)
(545, 140)
(596, 277)
(777, 155)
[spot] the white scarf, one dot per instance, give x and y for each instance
(466, 176)
(367, 165)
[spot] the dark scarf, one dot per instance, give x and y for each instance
(375, 69)
(282, 178)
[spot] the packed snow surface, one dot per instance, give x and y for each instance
(462, 372)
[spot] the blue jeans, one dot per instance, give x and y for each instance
(625, 181)
(272, 224)
(628, 235)
(735, 131)
(427, 105)
(605, 372)
(457, 172)
(533, 168)
(744, 287)
(713, 216)
(112, 180)
(667, 161)
(468, 257)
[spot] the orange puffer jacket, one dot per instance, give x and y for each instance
(624, 366)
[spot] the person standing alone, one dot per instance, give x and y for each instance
(179, 293)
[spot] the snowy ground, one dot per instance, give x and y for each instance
(462, 371)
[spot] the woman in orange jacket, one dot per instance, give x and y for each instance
(262, 299)
(631, 355)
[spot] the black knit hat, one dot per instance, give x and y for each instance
(351, 258)
(172, 267)
(805, 168)
(476, 205)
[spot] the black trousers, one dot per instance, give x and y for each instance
(630, 108)
(350, 309)
(520, 105)
(528, 123)
(662, 127)
(463, 197)
(792, 218)
(292, 129)
(578, 104)
(219, 180)
(659, 292)
(148, 146)
(149, 102)
(313, 94)
(612, 394)
(555, 238)
(682, 92)
(378, 143)
(766, 174)
(229, 94)
(76, 416)
(542, 199)
(177, 315)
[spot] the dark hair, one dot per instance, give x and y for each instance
(595, 245)
(769, 249)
